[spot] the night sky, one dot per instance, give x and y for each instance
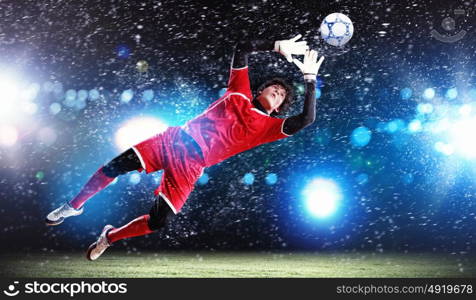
(408, 189)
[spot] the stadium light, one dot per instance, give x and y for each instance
(137, 130)
(322, 197)
(16, 99)
(461, 137)
(8, 135)
(9, 96)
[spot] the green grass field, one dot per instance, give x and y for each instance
(241, 264)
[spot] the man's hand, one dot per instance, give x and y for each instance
(290, 47)
(310, 66)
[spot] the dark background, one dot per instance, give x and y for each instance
(412, 201)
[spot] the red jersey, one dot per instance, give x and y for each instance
(232, 124)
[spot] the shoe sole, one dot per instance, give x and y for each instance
(92, 246)
(88, 253)
(53, 223)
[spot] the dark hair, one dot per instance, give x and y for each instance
(288, 100)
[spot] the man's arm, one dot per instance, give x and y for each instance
(244, 48)
(309, 68)
(295, 123)
(286, 47)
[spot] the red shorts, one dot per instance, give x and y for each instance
(179, 156)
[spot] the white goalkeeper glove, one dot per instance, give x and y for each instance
(310, 66)
(290, 47)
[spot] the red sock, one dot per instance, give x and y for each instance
(135, 227)
(96, 183)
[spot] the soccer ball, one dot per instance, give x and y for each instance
(337, 29)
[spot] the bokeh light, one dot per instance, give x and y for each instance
(93, 94)
(40, 175)
(451, 93)
(148, 95)
(142, 66)
(361, 136)
(415, 126)
(70, 98)
(248, 179)
(425, 108)
(271, 178)
(395, 126)
(127, 96)
(55, 108)
(203, 179)
(123, 51)
(429, 93)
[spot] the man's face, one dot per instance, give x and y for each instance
(272, 97)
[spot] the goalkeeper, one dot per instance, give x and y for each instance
(232, 124)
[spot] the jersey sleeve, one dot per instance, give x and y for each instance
(239, 82)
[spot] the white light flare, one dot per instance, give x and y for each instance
(322, 197)
(8, 135)
(9, 97)
(461, 137)
(137, 130)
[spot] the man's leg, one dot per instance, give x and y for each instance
(160, 214)
(126, 162)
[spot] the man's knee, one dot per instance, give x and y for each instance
(156, 222)
(160, 214)
(126, 162)
(112, 170)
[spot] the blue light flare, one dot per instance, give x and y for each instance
(148, 95)
(123, 51)
(395, 126)
(271, 179)
(248, 179)
(93, 95)
(203, 179)
(361, 136)
(127, 96)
